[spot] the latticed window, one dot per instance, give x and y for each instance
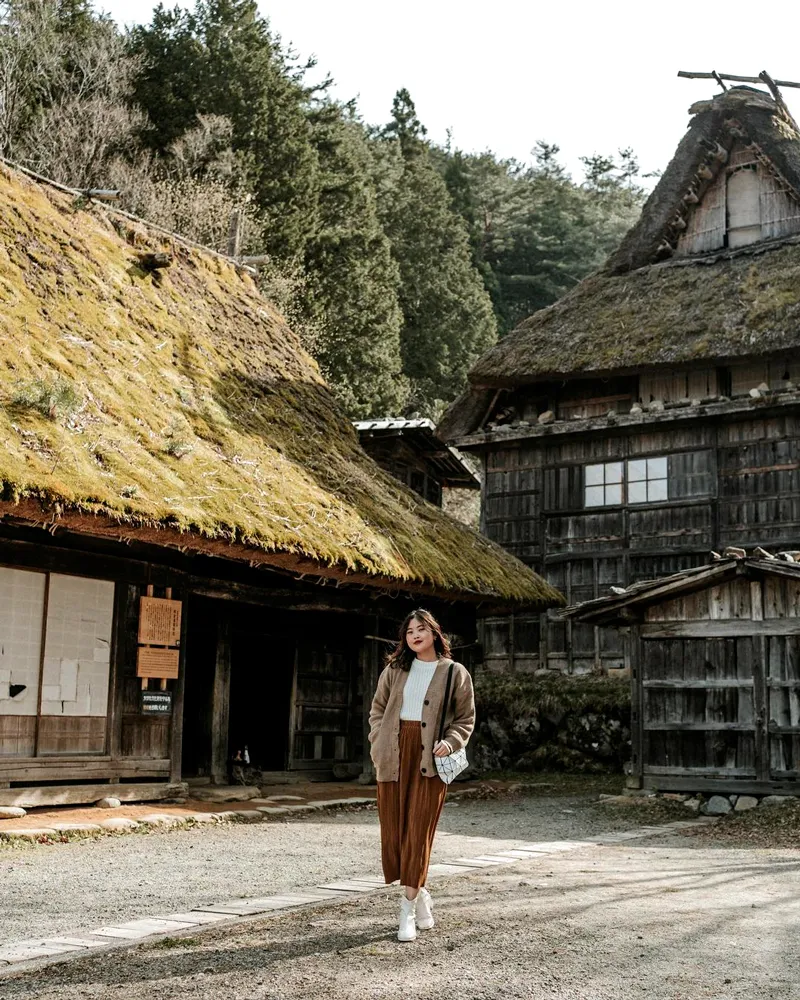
(603, 484)
(647, 480)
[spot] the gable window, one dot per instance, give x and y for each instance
(647, 480)
(603, 484)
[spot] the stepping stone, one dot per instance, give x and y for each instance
(197, 917)
(224, 793)
(448, 869)
(369, 880)
(496, 858)
(119, 823)
(283, 798)
(552, 846)
(142, 928)
(273, 810)
(202, 817)
(24, 951)
(248, 815)
(77, 828)
(234, 909)
(333, 803)
(468, 865)
(75, 942)
(349, 886)
(520, 854)
(477, 862)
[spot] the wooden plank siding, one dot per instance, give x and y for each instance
(734, 482)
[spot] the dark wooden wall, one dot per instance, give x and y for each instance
(732, 482)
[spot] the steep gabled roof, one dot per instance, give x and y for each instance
(650, 307)
(177, 407)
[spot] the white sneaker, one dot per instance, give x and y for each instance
(424, 912)
(408, 926)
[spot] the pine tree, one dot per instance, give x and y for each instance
(353, 281)
(447, 315)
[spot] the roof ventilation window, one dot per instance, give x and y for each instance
(744, 206)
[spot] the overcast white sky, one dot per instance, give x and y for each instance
(589, 76)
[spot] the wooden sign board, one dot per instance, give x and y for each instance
(159, 621)
(157, 702)
(157, 662)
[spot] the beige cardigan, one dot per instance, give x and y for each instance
(384, 717)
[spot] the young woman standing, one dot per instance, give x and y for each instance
(404, 720)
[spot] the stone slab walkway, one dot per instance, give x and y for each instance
(16, 955)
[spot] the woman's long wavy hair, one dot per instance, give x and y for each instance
(402, 656)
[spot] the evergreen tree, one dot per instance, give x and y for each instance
(353, 281)
(447, 315)
(221, 59)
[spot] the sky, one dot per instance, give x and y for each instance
(592, 77)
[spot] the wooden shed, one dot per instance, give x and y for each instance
(196, 555)
(714, 657)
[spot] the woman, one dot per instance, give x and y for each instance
(404, 724)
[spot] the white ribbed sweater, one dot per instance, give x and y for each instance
(419, 677)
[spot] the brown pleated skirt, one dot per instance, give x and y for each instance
(409, 810)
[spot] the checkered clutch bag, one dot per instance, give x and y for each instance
(451, 766)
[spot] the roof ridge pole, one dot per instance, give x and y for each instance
(773, 89)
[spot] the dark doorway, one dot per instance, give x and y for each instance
(262, 674)
(201, 656)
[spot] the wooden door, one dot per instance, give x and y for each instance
(323, 704)
(782, 661)
(702, 708)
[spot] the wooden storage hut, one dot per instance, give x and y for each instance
(653, 413)
(714, 656)
(196, 555)
(413, 453)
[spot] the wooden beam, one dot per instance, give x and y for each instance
(72, 795)
(732, 78)
(220, 700)
(176, 750)
(720, 629)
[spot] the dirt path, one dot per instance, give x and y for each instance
(605, 923)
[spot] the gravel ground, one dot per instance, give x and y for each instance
(65, 888)
(609, 923)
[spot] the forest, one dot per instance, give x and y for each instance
(399, 261)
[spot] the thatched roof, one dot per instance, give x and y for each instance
(176, 406)
(641, 310)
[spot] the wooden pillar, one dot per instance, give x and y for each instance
(220, 701)
(176, 741)
(370, 663)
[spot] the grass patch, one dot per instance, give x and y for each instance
(165, 943)
(56, 398)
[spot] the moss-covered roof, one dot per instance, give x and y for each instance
(179, 399)
(647, 308)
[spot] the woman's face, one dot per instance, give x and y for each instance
(420, 639)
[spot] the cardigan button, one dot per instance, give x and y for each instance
(424, 724)
(427, 702)
(424, 770)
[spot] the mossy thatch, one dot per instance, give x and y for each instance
(179, 400)
(730, 305)
(641, 310)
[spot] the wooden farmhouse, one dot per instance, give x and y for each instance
(196, 555)
(653, 413)
(715, 667)
(413, 453)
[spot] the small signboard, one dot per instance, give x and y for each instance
(159, 621)
(152, 662)
(157, 702)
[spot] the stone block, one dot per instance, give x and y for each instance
(118, 824)
(692, 804)
(163, 819)
(248, 815)
(28, 834)
(12, 812)
(717, 805)
(109, 802)
(778, 800)
(745, 802)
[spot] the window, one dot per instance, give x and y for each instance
(641, 480)
(53, 693)
(647, 480)
(603, 484)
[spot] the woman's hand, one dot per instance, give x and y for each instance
(442, 749)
